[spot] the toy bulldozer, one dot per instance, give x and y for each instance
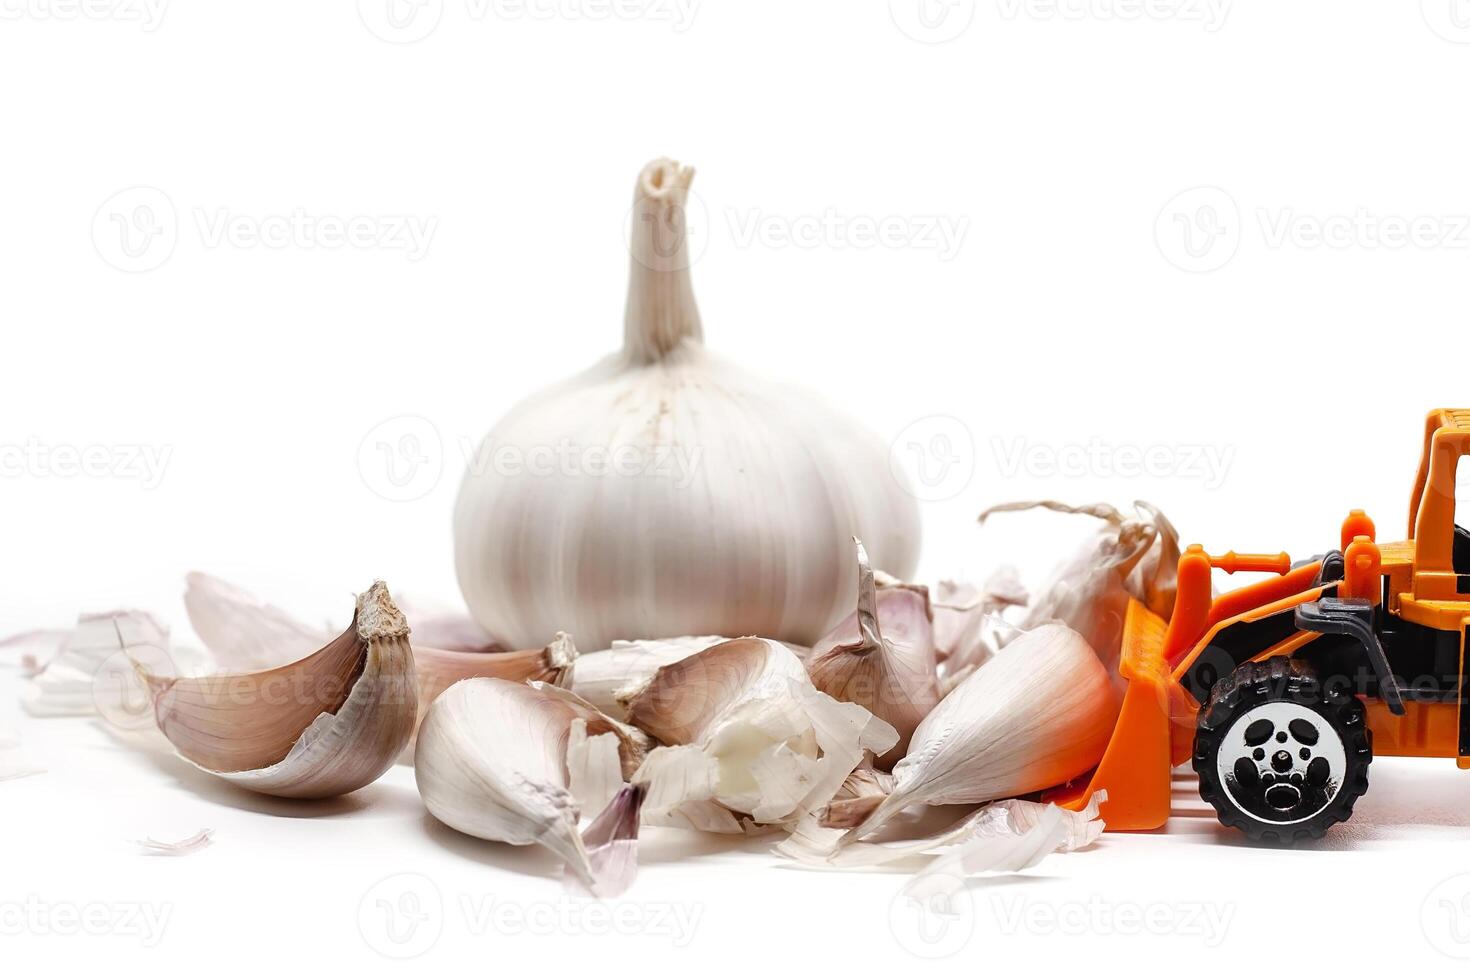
(1281, 692)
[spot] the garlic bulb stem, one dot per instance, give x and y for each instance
(661, 314)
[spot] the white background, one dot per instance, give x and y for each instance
(1217, 231)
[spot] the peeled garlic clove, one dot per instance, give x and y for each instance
(882, 657)
(1036, 715)
(747, 730)
(491, 762)
(241, 632)
(325, 725)
(606, 677)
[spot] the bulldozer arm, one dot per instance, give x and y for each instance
(1154, 722)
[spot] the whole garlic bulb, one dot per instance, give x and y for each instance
(666, 491)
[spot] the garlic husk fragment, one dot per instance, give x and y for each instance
(178, 848)
(1006, 836)
(612, 845)
(90, 675)
(1036, 715)
(1129, 557)
(967, 628)
(882, 656)
(745, 729)
(859, 796)
(325, 725)
(241, 632)
(492, 762)
(712, 499)
(607, 677)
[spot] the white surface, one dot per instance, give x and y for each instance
(1066, 145)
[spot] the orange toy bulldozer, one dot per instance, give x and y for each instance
(1281, 692)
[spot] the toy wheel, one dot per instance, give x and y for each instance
(1279, 756)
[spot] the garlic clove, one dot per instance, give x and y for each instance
(241, 632)
(438, 669)
(442, 628)
(745, 728)
(322, 726)
(1129, 557)
(1036, 715)
(606, 678)
(882, 657)
(491, 762)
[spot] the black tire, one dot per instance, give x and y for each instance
(1295, 766)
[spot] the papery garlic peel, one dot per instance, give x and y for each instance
(720, 502)
(882, 656)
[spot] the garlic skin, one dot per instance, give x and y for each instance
(492, 762)
(726, 501)
(882, 657)
(1036, 715)
(322, 726)
(743, 727)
